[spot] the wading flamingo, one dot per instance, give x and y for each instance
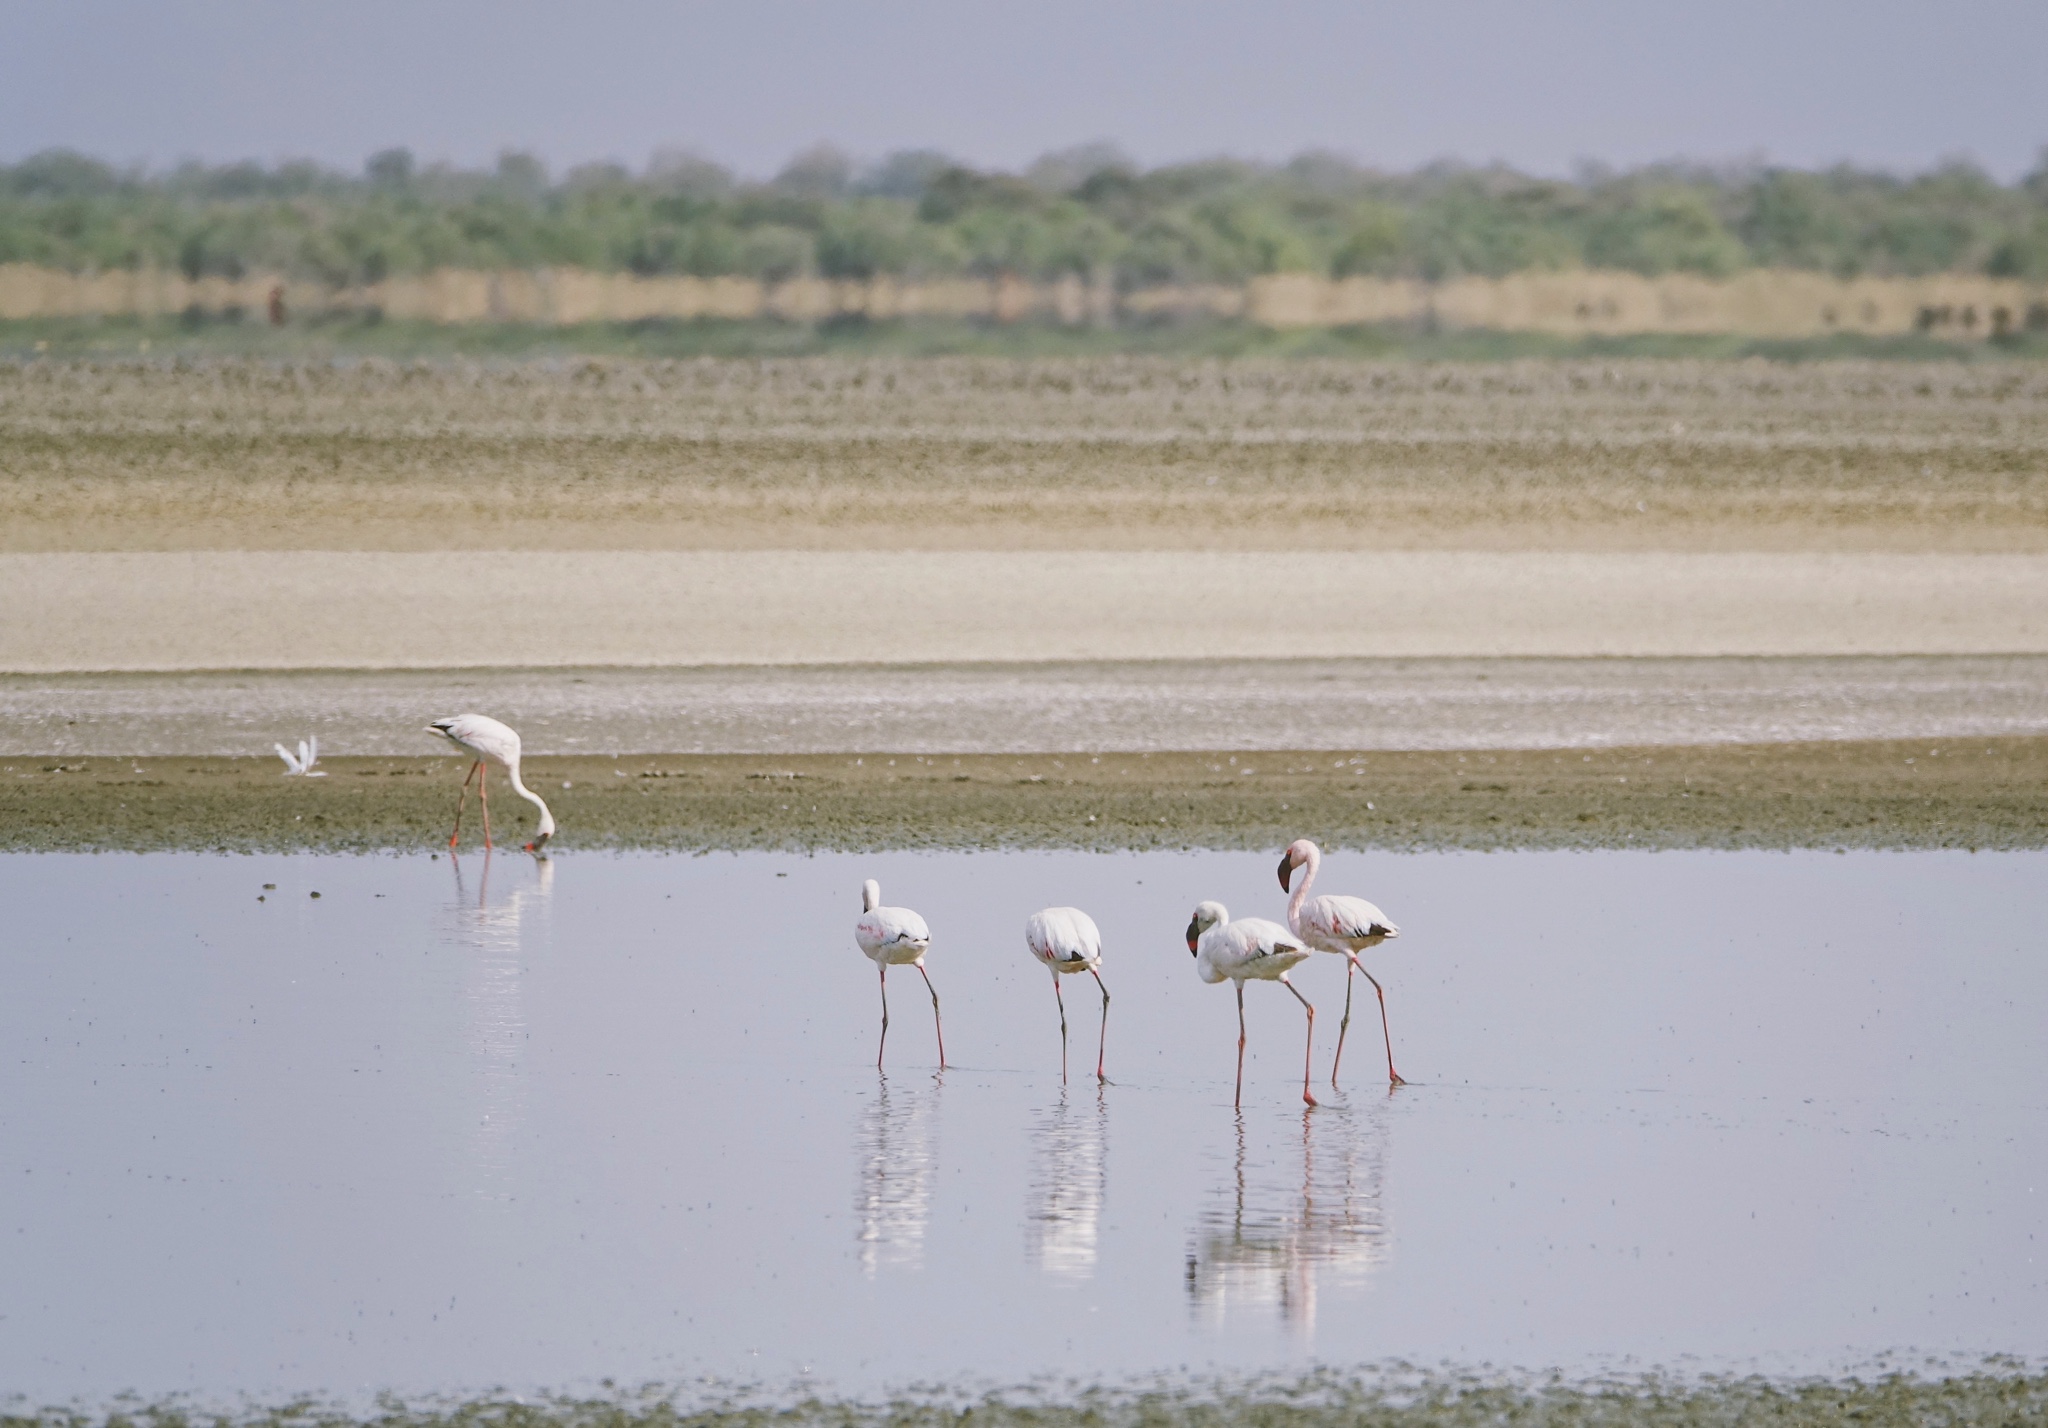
(486, 739)
(1249, 950)
(1065, 940)
(1344, 925)
(895, 937)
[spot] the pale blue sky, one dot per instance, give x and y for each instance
(1894, 83)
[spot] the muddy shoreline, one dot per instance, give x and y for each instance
(1963, 793)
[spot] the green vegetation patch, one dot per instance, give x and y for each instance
(1996, 1396)
(353, 337)
(1091, 213)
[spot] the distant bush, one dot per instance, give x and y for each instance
(1087, 211)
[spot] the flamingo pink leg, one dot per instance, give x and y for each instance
(483, 793)
(1308, 1053)
(1238, 1100)
(937, 1025)
(1343, 1026)
(884, 970)
(1063, 1025)
(1394, 1077)
(1102, 1045)
(460, 800)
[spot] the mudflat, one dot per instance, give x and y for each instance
(238, 515)
(1110, 454)
(1964, 793)
(888, 514)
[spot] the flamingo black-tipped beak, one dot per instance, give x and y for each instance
(539, 843)
(1286, 870)
(1194, 936)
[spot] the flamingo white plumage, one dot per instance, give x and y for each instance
(1065, 940)
(1250, 950)
(1344, 925)
(895, 937)
(300, 765)
(488, 740)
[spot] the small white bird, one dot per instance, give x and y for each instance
(300, 765)
(1065, 940)
(895, 937)
(486, 738)
(1344, 925)
(1252, 949)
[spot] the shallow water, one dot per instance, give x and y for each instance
(617, 1116)
(1032, 708)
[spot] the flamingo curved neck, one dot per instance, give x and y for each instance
(547, 819)
(1308, 875)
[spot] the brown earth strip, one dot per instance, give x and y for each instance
(1967, 793)
(850, 454)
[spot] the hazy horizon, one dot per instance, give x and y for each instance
(1891, 86)
(867, 167)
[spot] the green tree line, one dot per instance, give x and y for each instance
(1088, 211)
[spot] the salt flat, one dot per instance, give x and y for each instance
(1153, 706)
(190, 610)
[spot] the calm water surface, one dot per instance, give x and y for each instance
(448, 1127)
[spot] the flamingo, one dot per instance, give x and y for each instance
(895, 937)
(487, 739)
(1250, 949)
(1344, 925)
(1065, 940)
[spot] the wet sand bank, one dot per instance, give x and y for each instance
(1967, 793)
(1160, 706)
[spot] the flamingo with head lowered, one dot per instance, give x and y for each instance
(1065, 940)
(1344, 925)
(895, 937)
(1251, 949)
(488, 740)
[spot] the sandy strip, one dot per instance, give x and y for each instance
(1156, 706)
(312, 610)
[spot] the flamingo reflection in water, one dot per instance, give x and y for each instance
(1069, 1178)
(897, 1156)
(1272, 1240)
(495, 936)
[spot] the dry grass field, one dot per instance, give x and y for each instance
(1109, 454)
